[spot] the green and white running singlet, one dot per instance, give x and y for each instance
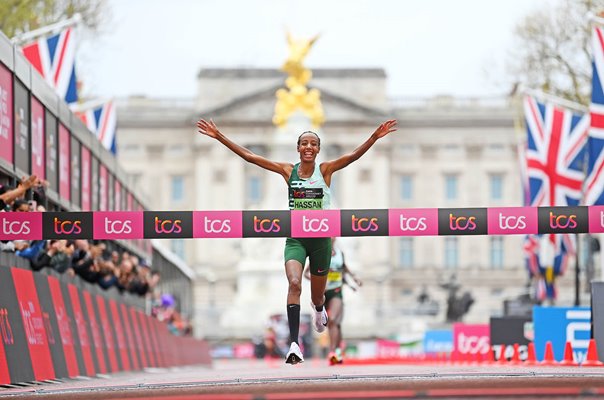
(335, 278)
(309, 194)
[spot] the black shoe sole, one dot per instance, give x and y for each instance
(293, 359)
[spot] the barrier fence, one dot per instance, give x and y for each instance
(308, 223)
(51, 328)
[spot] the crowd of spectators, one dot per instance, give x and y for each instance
(96, 262)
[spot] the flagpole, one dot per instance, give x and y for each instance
(577, 274)
(45, 30)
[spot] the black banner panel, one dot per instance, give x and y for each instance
(67, 225)
(563, 220)
(462, 221)
(509, 331)
(264, 223)
(52, 152)
(364, 222)
(22, 140)
(168, 224)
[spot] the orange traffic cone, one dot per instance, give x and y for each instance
(531, 359)
(592, 359)
(548, 358)
(502, 357)
(516, 355)
(568, 355)
(489, 358)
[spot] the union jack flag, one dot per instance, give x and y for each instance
(555, 150)
(594, 183)
(54, 58)
(101, 119)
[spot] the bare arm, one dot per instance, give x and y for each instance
(347, 271)
(208, 128)
(19, 191)
(329, 167)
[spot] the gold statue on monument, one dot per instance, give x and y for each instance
(297, 96)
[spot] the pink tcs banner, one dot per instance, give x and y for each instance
(117, 190)
(217, 224)
(413, 221)
(315, 223)
(387, 348)
(20, 225)
(6, 115)
(64, 164)
(86, 171)
(512, 220)
(103, 188)
(471, 339)
(118, 225)
(596, 219)
(38, 162)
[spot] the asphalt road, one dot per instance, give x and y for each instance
(314, 379)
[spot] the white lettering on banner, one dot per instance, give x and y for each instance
(37, 140)
(117, 227)
(216, 225)
(601, 219)
(472, 344)
(22, 129)
(575, 326)
(412, 223)
(15, 227)
(310, 224)
(4, 117)
(507, 351)
(438, 347)
(512, 222)
(33, 325)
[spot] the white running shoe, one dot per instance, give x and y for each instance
(320, 318)
(294, 355)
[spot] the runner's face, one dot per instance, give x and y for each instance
(308, 147)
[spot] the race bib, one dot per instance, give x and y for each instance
(334, 276)
(306, 198)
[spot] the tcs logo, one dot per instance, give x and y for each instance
(67, 227)
(167, 225)
(364, 224)
(461, 223)
(314, 224)
(266, 225)
(15, 227)
(117, 226)
(473, 344)
(412, 223)
(511, 222)
(216, 225)
(562, 221)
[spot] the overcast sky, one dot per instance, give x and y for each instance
(427, 47)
